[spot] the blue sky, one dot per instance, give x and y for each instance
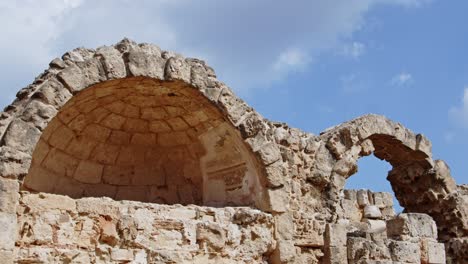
(310, 63)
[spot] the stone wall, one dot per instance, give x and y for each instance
(364, 205)
(134, 122)
(371, 232)
(58, 229)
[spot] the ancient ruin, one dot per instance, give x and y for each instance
(131, 154)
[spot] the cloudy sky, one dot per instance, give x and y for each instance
(311, 63)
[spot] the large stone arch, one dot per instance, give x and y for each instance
(63, 112)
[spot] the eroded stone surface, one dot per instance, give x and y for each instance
(137, 232)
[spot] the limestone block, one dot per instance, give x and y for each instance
(41, 179)
(388, 213)
(177, 124)
(131, 111)
(285, 226)
(80, 147)
(211, 235)
(146, 60)
(21, 136)
(378, 199)
(131, 155)
(113, 121)
(275, 200)
(365, 250)
(335, 255)
(356, 249)
(432, 252)
(113, 63)
(351, 210)
(335, 235)
(153, 113)
(285, 252)
(412, 225)
(88, 172)
(97, 132)
(78, 123)
(98, 206)
(8, 230)
(362, 198)
(53, 93)
(119, 254)
(275, 174)
(13, 163)
(41, 202)
(119, 138)
(376, 226)
(269, 153)
(404, 251)
(372, 212)
(82, 74)
(157, 126)
(250, 124)
(38, 113)
(350, 195)
(177, 69)
(108, 231)
(198, 73)
(105, 153)
(42, 232)
(167, 238)
(72, 77)
(8, 195)
(61, 137)
(181, 213)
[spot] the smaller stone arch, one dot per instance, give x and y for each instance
(420, 183)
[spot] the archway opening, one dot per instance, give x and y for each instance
(371, 175)
(145, 140)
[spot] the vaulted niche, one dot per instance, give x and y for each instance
(145, 140)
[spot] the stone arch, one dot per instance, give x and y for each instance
(61, 114)
(420, 183)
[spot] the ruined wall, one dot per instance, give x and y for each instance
(185, 138)
(58, 229)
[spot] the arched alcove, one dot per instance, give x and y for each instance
(146, 140)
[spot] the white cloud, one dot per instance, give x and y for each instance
(248, 42)
(459, 114)
(354, 49)
(290, 60)
(402, 79)
(28, 30)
